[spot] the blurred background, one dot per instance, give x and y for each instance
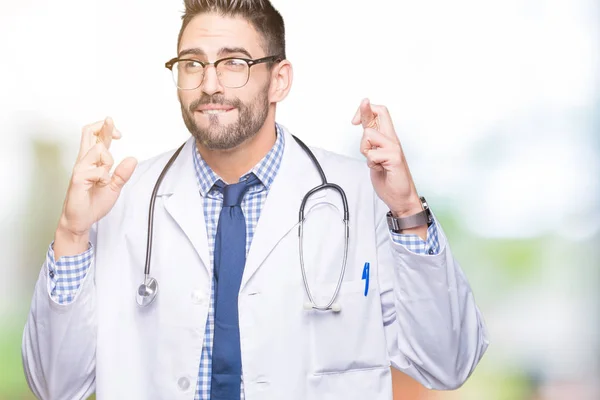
(496, 102)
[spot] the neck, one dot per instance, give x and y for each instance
(231, 164)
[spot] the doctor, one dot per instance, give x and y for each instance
(235, 303)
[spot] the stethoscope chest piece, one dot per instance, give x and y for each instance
(147, 292)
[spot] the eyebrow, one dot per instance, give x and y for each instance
(223, 51)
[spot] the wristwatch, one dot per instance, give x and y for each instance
(412, 221)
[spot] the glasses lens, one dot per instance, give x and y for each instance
(233, 73)
(187, 74)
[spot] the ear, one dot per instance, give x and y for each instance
(281, 81)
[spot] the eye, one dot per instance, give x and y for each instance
(235, 64)
(191, 66)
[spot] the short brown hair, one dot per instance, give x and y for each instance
(261, 14)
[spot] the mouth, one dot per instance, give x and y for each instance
(211, 109)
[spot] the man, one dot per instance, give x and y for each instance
(246, 308)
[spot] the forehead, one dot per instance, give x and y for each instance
(212, 32)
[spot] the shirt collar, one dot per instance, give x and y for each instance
(265, 170)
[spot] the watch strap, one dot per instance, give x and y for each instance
(424, 217)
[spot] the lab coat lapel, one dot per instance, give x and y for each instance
(184, 202)
(296, 176)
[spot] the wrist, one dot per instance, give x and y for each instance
(68, 243)
(407, 209)
(410, 218)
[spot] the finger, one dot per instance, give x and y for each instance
(95, 176)
(122, 173)
(106, 132)
(377, 159)
(385, 120)
(358, 116)
(373, 139)
(91, 133)
(365, 115)
(97, 156)
(88, 139)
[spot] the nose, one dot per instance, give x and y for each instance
(210, 82)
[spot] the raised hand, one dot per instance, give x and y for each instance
(92, 190)
(390, 174)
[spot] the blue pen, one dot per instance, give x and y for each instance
(365, 276)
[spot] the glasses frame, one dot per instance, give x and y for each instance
(251, 62)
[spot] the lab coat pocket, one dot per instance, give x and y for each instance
(351, 339)
(371, 383)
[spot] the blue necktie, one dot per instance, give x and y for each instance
(230, 258)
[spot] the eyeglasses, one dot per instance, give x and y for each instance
(233, 72)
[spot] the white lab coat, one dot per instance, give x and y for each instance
(419, 315)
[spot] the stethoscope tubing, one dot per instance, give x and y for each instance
(148, 280)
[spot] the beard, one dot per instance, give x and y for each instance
(251, 117)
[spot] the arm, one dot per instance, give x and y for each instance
(59, 340)
(434, 330)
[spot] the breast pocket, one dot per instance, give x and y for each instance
(351, 339)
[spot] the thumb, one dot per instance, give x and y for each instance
(122, 173)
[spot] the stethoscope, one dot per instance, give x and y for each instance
(148, 290)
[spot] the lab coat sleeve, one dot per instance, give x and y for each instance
(59, 340)
(434, 331)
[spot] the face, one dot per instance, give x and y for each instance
(217, 116)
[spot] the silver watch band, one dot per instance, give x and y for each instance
(412, 221)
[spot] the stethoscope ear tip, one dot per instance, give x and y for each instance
(308, 306)
(335, 307)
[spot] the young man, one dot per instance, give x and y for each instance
(250, 305)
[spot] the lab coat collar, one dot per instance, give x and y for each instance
(184, 202)
(279, 215)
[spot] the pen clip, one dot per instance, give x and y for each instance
(365, 276)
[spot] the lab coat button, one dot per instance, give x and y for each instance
(183, 383)
(197, 297)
